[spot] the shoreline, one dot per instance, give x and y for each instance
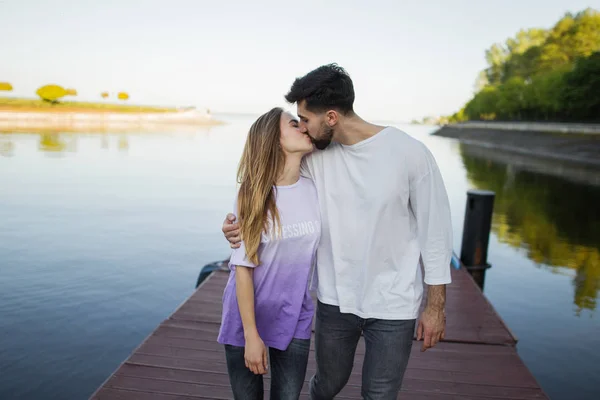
(547, 127)
(15, 104)
(568, 144)
(102, 121)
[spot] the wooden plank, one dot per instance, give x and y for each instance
(462, 389)
(416, 395)
(207, 318)
(107, 393)
(176, 362)
(185, 354)
(216, 378)
(203, 390)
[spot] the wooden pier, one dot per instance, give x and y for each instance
(182, 360)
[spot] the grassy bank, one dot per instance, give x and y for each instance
(29, 105)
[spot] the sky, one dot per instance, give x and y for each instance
(407, 59)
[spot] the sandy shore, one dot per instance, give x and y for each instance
(94, 121)
(577, 148)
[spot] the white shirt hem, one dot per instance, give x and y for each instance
(329, 302)
(388, 316)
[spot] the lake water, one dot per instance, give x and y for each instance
(102, 236)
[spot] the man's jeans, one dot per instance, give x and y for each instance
(388, 346)
(288, 369)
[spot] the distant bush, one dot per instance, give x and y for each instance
(51, 93)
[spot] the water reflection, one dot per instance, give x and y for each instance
(7, 148)
(52, 142)
(555, 220)
(58, 142)
(123, 143)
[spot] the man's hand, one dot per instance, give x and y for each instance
(231, 230)
(432, 324)
(431, 329)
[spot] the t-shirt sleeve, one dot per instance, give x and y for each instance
(238, 256)
(430, 205)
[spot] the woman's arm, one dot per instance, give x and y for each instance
(256, 351)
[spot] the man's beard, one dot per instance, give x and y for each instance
(325, 139)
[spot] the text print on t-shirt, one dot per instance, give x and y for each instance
(298, 229)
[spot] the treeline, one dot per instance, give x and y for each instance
(542, 75)
(53, 93)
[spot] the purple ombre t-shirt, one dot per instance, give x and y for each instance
(283, 306)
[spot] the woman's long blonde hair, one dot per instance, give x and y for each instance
(261, 164)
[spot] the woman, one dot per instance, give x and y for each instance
(267, 308)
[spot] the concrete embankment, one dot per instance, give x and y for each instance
(574, 143)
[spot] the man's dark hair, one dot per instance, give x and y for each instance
(327, 87)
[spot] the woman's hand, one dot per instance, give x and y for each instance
(255, 355)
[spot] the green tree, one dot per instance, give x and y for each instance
(525, 39)
(458, 116)
(523, 50)
(483, 105)
(545, 94)
(542, 74)
(496, 57)
(510, 101)
(581, 91)
(571, 38)
(481, 81)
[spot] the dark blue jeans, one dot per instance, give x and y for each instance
(388, 345)
(288, 370)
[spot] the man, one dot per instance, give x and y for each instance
(385, 216)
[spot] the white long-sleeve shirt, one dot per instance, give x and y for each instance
(384, 211)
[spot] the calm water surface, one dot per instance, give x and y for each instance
(102, 236)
